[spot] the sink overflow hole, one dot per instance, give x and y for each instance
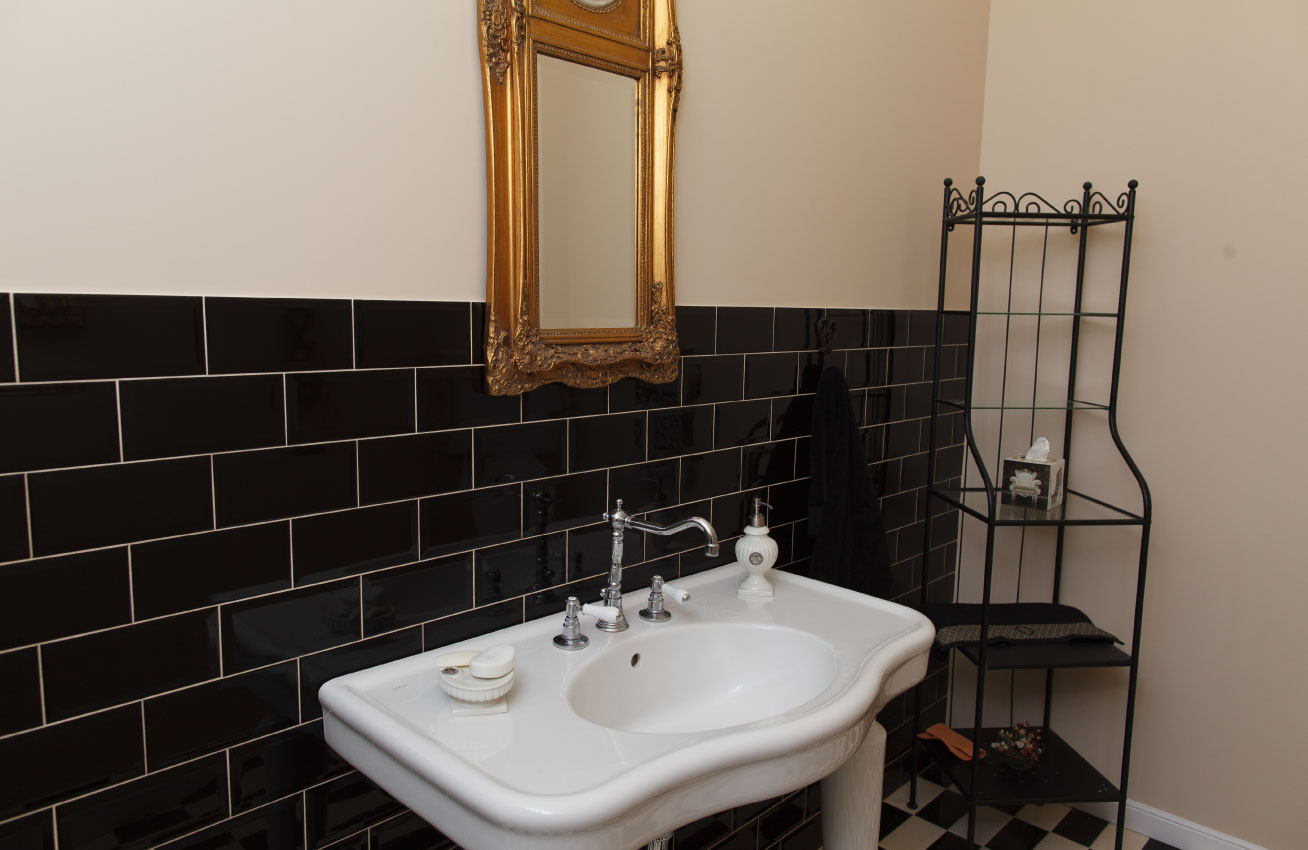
(635, 660)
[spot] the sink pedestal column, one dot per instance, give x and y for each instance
(851, 797)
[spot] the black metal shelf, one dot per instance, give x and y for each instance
(1061, 775)
(1049, 656)
(1076, 509)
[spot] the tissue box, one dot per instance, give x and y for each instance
(1032, 483)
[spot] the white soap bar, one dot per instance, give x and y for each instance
(492, 663)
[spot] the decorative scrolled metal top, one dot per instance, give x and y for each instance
(1031, 205)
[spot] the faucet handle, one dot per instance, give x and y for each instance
(607, 613)
(656, 613)
(676, 594)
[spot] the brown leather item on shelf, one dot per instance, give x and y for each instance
(957, 744)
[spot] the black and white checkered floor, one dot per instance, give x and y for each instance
(940, 823)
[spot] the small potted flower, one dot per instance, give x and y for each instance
(1019, 748)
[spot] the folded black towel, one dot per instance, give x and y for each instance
(844, 520)
(959, 624)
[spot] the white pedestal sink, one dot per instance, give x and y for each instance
(731, 701)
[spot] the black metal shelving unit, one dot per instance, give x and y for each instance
(1063, 776)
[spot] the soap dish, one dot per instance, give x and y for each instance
(477, 682)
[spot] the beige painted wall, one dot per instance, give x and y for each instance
(1204, 103)
(335, 148)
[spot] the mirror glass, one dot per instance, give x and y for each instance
(586, 124)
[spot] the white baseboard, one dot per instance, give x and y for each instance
(1168, 828)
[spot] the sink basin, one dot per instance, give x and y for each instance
(731, 701)
(702, 677)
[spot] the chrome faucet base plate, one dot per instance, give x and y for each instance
(620, 626)
(655, 616)
(571, 643)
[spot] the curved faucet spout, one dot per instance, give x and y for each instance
(711, 548)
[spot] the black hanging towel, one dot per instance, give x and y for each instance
(844, 521)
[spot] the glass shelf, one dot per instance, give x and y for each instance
(1076, 509)
(1026, 404)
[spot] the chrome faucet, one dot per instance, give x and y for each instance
(621, 520)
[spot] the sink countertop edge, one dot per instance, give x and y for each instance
(588, 808)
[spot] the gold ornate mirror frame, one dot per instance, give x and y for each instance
(633, 38)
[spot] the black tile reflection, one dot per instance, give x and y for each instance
(516, 568)
(782, 819)
(697, 561)
(518, 452)
(770, 374)
(148, 810)
(66, 337)
(796, 328)
(197, 720)
(922, 327)
(907, 365)
(742, 423)
(556, 504)
(600, 441)
(39, 603)
(317, 670)
(590, 550)
(888, 327)
(710, 474)
(129, 662)
(6, 341)
(731, 512)
(409, 595)
(358, 841)
(803, 451)
(415, 465)
(333, 545)
(278, 825)
(344, 806)
(478, 332)
(696, 329)
(702, 833)
(789, 502)
(866, 367)
(324, 406)
(680, 431)
(466, 520)
(792, 416)
(55, 762)
(278, 334)
(409, 832)
(657, 545)
(742, 329)
(874, 443)
(50, 425)
(469, 624)
(706, 379)
(13, 518)
(411, 333)
(21, 708)
(957, 328)
(457, 398)
(631, 394)
(184, 416)
(770, 463)
(200, 569)
(34, 832)
(645, 487)
(282, 764)
(917, 401)
(102, 505)
(807, 837)
(902, 438)
(284, 625)
(275, 483)
(553, 401)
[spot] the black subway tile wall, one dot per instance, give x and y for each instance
(211, 506)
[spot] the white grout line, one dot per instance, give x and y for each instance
(27, 501)
(204, 332)
(40, 682)
(145, 750)
(13, 335)
(118, 409)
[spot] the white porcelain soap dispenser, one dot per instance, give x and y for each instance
(756, 552)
